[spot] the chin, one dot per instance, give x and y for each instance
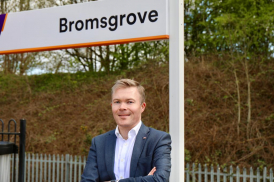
(124, 125)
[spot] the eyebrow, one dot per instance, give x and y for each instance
(122, 99)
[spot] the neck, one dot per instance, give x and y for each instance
(124, 131)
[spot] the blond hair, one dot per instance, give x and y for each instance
(126, 83)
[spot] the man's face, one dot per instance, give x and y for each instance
(126, 107)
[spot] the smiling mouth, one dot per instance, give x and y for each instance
(122, 115)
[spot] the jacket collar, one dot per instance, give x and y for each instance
(140, 141)
(133, 132)
(137, 150)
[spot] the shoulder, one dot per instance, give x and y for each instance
(157, 139)
(157, 132)
(157, 135)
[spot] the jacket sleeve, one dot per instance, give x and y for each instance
(91, 173)
(161, 161)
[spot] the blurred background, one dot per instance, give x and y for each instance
(229, 79)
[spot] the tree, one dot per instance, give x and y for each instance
(241, 31)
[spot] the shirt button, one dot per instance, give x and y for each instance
(122, 160)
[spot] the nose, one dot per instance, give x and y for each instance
(123, 106)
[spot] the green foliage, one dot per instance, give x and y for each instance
(223, 27)
(52, 137)
(49, 109)
(270, 118)
(10, 84)
(87, 139)
(214, 158)
(187, 155)
(190, 102)
(261, 164)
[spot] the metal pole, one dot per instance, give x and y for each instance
(22, 150)
(2, 129)
(176, 88)
(9, 133)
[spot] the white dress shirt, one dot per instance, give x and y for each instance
(123, 152)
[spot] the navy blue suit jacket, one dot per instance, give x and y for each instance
(152, 148)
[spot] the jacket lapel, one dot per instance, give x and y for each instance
(138, 148)
(110, 153)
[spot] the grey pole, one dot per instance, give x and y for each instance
(176, 88)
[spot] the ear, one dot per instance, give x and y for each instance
(143, 106)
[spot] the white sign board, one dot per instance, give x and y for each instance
(86, 24)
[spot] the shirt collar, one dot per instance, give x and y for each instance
(133, 132)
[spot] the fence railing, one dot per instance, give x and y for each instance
(199, 173)
(51, 168)
(68, 168)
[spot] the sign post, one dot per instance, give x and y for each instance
(176, 88)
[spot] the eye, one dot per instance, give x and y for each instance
(116, 102)
(130, 102)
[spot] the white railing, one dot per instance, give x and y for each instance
(68, 168)
(205, 173)
(50, 168)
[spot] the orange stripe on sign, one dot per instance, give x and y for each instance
(4, 23)
(121, 41)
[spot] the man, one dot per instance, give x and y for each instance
(132, 152)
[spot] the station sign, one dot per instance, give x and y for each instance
(84, 24)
